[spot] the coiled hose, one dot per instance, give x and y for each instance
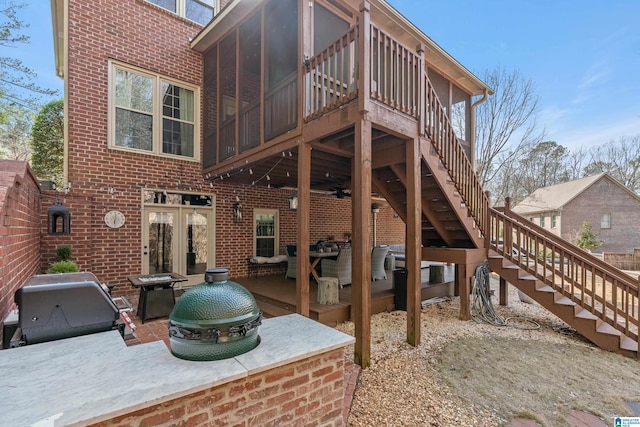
(482, 309)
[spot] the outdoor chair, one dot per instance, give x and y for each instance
(378, 254)
(291, 262)
(339, 267)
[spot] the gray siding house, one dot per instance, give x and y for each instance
(612, 209)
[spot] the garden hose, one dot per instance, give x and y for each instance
(482, 309)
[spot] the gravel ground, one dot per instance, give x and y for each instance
(402, 387)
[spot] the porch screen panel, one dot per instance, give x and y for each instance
(250, 72)
(461, 115)
(281, 56)
(210, 147)
(228, 97)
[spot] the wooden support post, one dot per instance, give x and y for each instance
(465, 276)
(504, 294)
(361, 250)
(302, 241)
(413, 243)
(361, 201)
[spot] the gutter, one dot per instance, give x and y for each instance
(473, 126)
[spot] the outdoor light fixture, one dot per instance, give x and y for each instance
(58, 219)
(293, 202)
(237, 212)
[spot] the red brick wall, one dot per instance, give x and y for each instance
(145, 36)
(308, 392)
(605, 196)
(19, 230)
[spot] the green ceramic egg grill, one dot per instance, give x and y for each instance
(216, 319)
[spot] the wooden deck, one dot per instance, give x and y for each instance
(276, 296)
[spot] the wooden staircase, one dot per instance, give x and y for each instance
(597, 300)
(578, 317)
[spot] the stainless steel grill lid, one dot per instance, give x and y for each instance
(216, 319)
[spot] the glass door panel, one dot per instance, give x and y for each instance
(160, 241)
(196, 246)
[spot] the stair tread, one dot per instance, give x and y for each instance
(545, 288)
(565, 301)
(270, 310)
(605, 328)
(586, 314)
(629, 344)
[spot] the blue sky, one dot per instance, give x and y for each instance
(583, 56)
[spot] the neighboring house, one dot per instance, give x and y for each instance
(612, 209)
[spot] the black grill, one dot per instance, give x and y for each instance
(57, 306)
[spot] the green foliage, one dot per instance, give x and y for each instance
(63, 267)
(587, 239)
(15, 133)
(47, 141)
(63, 253)
(17, 85)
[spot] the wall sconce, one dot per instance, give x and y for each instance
(375, 207)
(293, 202)
(58, 219)
(237, 212)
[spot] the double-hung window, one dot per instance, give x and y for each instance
(605, 221)
(153, 113)
(265, 222)
(200, 11)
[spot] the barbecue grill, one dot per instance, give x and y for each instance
(57, 306)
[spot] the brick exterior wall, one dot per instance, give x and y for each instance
(309, 392)
(19, 230)
(605, 196)
(145, 36)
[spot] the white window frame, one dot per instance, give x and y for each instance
(605, 221)
(276, 237)
(181, 8)
(542, 221)
(158, 79)
(554, 221)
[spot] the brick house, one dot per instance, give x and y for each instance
(113, 54)
(612, 209)
(195, 136)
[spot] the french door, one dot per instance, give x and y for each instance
(178, 239)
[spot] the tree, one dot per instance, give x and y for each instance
(15, 134)
(17, 85)
(587, 239)
(620, 159)
(543, 165)
(504, 123)
(47, 141)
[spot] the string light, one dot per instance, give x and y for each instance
(250, 171)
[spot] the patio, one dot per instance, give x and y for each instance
(276, 296)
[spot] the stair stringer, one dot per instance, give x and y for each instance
(441, 176)
(582, 320)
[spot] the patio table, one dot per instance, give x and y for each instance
(315, 259)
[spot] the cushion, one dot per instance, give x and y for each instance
(258, 260)
(276, 259)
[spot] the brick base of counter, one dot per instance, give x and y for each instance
(307, 392)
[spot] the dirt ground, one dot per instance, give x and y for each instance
(471, 374)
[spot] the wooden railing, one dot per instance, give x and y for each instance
(331, 79)
(281, 107)
(394, 73)
(453, 158)
(591, 283)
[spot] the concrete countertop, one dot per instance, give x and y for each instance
(87, 379)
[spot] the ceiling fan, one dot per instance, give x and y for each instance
(341, 192)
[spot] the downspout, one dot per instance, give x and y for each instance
(473, 126)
